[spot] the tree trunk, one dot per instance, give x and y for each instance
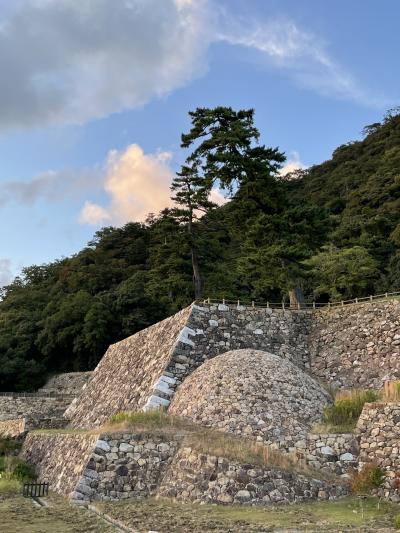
(296, 297)
(197, 282)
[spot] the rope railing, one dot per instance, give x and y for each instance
(299, 306)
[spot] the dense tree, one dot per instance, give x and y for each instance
(332, 230)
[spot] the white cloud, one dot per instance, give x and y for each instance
(303, 55)
(70, 61)
(5, 272)
(293, 163)
(136, 183)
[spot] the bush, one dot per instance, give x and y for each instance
(8, 445)
(397, 521)
(368, 478)
(16, 469)
(348, 406)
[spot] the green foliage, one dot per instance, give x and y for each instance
(343, 273)
(8, 445)
(370, 477)
(397, 521)
(348, 407)
(332, 230)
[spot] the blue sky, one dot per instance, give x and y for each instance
(95, 95)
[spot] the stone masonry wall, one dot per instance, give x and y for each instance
(12, 428)
(117, 466)
(196, 477)
(67, 384)
(59, 459)
(125, 466)
(143, 371)
(357, 345)
(38, 411)
(125, 377)
(331, 452)
(378, 429)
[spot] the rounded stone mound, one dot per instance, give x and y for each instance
(252, 393)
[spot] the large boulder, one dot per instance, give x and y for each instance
(252, 393)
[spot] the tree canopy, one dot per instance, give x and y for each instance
(333, 230)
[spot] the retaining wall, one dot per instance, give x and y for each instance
(67, 384)
(38, 411)
(357, 345)
(379, 432)
(12, 428)
(60, 459)
(329, 452)
(201, 478)
(143, 371)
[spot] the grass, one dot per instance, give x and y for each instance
(20, 515)
(391, 391)
(8, 486)
(343, 415)
(208, 441)
(349, 514)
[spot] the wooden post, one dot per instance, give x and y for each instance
(283, 304)
(356, 300)
(252, 303)
(267, 305)
(313, 305)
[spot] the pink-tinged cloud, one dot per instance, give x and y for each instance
(137, 184)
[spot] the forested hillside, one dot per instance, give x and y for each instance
(333, 230)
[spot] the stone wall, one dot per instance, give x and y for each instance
(332, 452)
(253, 394)
(12, 428)
(125, 377)
(143, 371)
(116, 466)
(379, 432)
(67, 384)
(125, 466)
(357, 345)
(38, 411)
(196, 477)
(60, 459)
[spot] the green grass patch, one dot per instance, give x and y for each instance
(9, 485)
(349, 514)
(345, 412)
(20, 515)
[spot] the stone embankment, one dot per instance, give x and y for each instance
(60, 459)
(37, 410)
(116, 466)
(330, 452)
(12, 428)
(378, 430)
(357, 345)
(252, 394)
(68, 384)
(125, 466)
(166, 353)
(202, 478)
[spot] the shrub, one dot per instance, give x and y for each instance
(16, 469)
(368, 478)
(8, 445)
(348, 406)
(397, 521)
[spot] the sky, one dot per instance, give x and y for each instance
(94, 95)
